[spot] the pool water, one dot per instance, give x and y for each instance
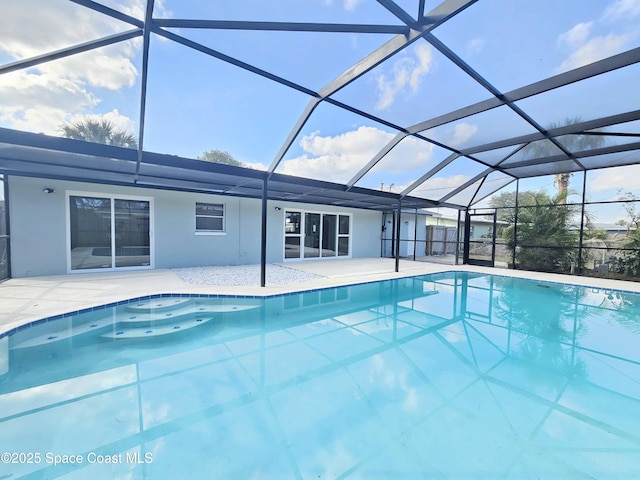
(454, 375)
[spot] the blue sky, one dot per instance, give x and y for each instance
(196, 103)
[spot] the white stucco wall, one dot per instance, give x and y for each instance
(39, 227)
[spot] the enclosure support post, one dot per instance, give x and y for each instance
(415, 235)
(458, 235)
(263, 242)
(584, 190)
(467, 237)
(397, 252)
(515, 227)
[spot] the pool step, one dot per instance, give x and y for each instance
(56, 335)
(158, 305)
(165, 316)
(178, 312)
(148, 318)
(156, 330)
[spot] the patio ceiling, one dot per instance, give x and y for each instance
(444, 150)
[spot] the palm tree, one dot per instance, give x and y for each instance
(576, 142)
(546, 235)
(99, 130)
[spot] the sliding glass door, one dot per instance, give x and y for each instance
(4, 232)
(132, 245)
(322, 235)
(108, 232)
(312, 235)
(329, 238)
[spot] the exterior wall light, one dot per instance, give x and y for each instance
(48, 190)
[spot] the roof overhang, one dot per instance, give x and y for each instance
(37, 155)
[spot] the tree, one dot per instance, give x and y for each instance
(576, 142)
(505, 203)
(629, 263)
(219, 156)
(543, 320)
(99, 130)
(546, 236)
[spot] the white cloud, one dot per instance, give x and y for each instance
(424, 57)
(594, 50)
(408, 155)
(107, 67)
(437, 187)
(256, 165)
(589, 42)
(120, 122)
(351, 5)
(42, 97)
(622, 9)
(32, 27)
(388, 88)
(28, 90)
(337, 158)
(476, 45)
(462, 133)
(40, 102)
(408, 70)
(577, 35)
(625, 178)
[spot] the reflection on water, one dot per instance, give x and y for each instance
(451, 375)
(545, 321)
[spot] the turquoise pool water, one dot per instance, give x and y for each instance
(455, 375)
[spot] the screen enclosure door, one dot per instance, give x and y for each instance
(480, 239)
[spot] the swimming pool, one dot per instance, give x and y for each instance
(454, 375)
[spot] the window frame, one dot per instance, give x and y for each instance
(222, 231)
(112, 197)
(301, 234)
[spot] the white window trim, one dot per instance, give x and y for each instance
(302, 234)
(111, 197)
(211, 233)
(285, 234)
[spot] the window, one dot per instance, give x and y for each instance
(344, 235)
(209, 217)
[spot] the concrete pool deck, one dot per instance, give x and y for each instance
(23, 300)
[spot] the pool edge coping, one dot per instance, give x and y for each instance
(30, 324)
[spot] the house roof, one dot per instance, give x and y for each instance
(448, 147)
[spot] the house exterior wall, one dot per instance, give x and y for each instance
(482, 230)
(442, 221)
(413, 234)
(39, 227)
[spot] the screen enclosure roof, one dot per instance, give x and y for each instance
(355, 103)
